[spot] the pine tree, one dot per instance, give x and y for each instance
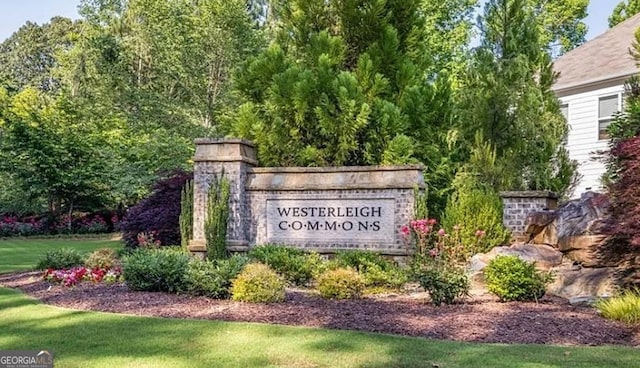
(350, 83)
(507, 103)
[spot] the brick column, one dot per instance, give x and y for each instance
(517, 205)
(213, 157)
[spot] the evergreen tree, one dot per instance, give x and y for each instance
(507, 107)
(623, 11)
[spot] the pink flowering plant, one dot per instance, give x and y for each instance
(73, 276)
(438, 259)
(148, 240)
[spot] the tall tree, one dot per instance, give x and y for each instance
(560, 23)
(510, 116)
(51, 151)
(28, 57)
(351, 82)
(624, 10)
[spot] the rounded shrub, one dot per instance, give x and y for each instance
(444, 284)
(162, 269)
(377, 271)
(258, 283)
(340, 283)
(102, 258)
(511, 278)
(295, 265)
(214, 278)
(60, 258)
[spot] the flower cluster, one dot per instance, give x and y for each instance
(12, 226)
(83, 224)
(147, 240)
(73, 276)
(439, 245)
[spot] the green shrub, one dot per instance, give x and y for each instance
(295, 265)
(60, 258)
(258, 283)
(624, 308)
(376, 270)
(217, 218)
(472, 208)
(511, 278)
(186, 214)
(213, 278)
(444, 284)
(340, 283)
(162, 269)
(102, 258)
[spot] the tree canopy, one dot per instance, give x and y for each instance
(623, 11)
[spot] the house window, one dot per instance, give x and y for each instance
(608, 106)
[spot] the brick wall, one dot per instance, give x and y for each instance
(517, 205)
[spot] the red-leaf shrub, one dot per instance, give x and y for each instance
(625, 192)
(157, 214)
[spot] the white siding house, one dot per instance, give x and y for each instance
(590, 88)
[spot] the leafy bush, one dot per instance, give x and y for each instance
(157, 214)
(258, 283)
(625, 307)
(472, 208)
(162, 269)
(341, 283)
(295, 265)
(102, 258)
(511, 278)
(376, 270)
(444, 284)
(60, 258)
(214, 278)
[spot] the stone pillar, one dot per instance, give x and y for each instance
(517, 205)
(213, 157)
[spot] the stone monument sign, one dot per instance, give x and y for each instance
(317, 208)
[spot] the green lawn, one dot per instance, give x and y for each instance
(23, 254)
(88, 339)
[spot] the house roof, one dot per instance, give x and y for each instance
(603, 58)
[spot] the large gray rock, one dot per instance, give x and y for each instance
(577, 217)
(572, 282)
(582, 216)
(544, 256)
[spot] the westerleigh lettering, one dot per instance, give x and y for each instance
(366, 211)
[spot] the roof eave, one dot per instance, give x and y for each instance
(563, 89)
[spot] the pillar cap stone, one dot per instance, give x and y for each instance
(529, 194)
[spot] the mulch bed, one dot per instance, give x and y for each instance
(480, 318)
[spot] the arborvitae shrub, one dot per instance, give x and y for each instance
(472, 208)
(258, 283)
(511, 278)
(162, 269)
(341, 283)
(60, 258)
(157, 214)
